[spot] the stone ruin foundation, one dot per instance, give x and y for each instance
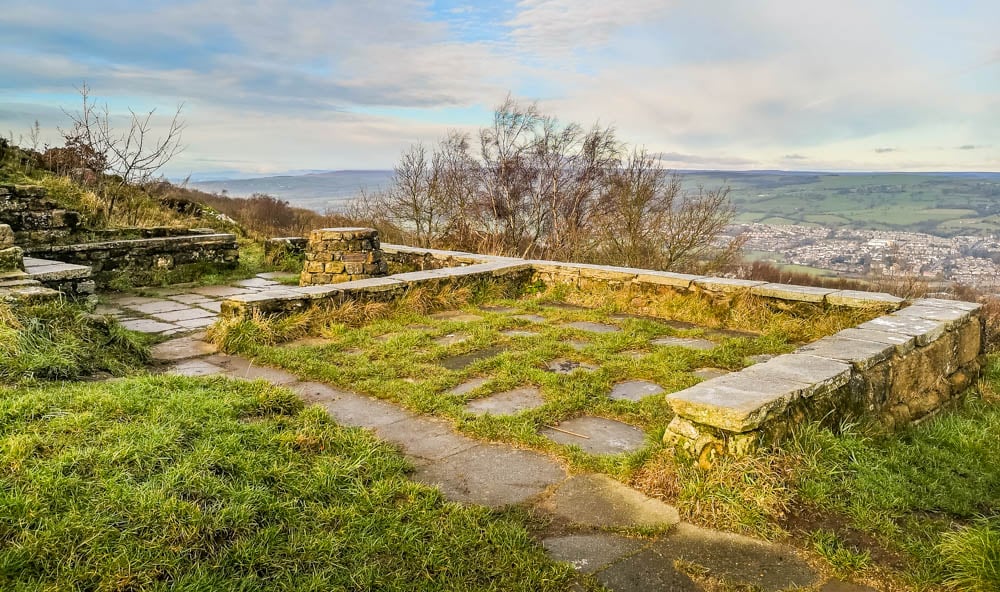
(910, 360)
(336, 255)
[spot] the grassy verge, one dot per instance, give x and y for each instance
(404, 355)
(61, 341)
(208, 484)
(915, 510)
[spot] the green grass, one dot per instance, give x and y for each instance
(60, 341)
(397, 358)
(169, 483)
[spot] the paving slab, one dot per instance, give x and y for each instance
(456, 316)
(599, 501)
(597, 435)
(646, 571)
(688, 342)
(468, 386)
(577, 344)
(278, 275)
(737, 560)
(190, 298)
(708, 373)
(588, 553)
(156, 306)
(491, 475)
(183, 314)
(461, 361)
(904, 343)
(565, 366)
(211, 305)
(451, 339)
(531, 318)
(634, 390)
(424, 438)
(132, 300)
(519, 333)
(182, 348)
(220, 291)
(104, 309)
(507, 402)
(196, 368)
(352, 409)
(594, 327)
(199, 323)
(564, 306)
(257, 282)
(924, 330)
(148, 326)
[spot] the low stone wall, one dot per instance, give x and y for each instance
(109, 259)
(894, 369)
(294, 299)
(34, 218)
(11, 257)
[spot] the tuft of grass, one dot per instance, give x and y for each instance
(844, 559)
(170, 483)
(60, 341)
(971, 556)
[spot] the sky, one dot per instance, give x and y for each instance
(270, 87)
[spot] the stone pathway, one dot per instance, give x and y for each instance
(594, 517)
(181, 309)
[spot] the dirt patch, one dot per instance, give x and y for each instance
(801, 519)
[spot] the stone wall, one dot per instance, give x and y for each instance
(139, 256)
(894, 369)
(34, 218)
(10, 256)
(336, 255)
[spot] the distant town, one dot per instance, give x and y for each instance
(967, 260)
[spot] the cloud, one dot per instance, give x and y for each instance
(711, 84)
(886, 150)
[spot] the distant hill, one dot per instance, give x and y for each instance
(318, 191)
(944, 204)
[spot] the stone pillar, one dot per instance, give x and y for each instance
(336, 255)
(10, 256)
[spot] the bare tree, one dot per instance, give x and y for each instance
(652, 222)
(132, 155)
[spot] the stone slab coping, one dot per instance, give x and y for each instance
(742, 401)
(714, 284)
(792, 292)
(379, 284)
(193, 239)
(47, 270)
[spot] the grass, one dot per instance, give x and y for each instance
(918, 507)
(400, 353)
(60, 341)
(170, 483)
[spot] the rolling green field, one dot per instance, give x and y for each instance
(942, 204)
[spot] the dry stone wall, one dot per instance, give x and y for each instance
(33, 217)
(336, 255)
(111, 258)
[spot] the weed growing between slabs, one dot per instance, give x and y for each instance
(401, 353)
(160, 483)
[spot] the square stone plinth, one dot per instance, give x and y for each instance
(596, 435)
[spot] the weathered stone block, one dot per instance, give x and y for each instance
(860, 354)
(860, 299)
(6, 236)
(790, 292)
(11, 258)
(726, 285)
